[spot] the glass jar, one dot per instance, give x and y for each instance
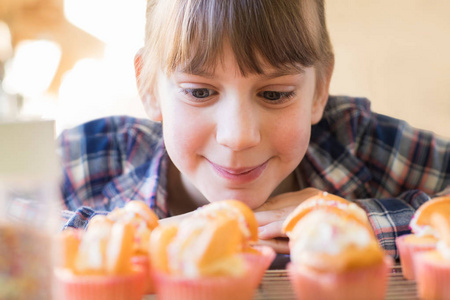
(29, 199)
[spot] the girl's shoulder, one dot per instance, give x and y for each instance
(338, 105)
(347, 115)
(122, 135)
(111, 127)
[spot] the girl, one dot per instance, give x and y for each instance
(237, 94)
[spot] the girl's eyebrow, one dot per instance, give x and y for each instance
(198, 72)
(280, 73)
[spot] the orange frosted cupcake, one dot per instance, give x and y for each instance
(202, 256)
(432, 268)
(423, 236)
(96, 264)
(259, 257)
(144, 220)
(334, 255)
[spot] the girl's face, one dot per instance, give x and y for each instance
(233, 136)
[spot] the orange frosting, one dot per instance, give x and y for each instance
(326, 201)
(330, 234)
(208, 243)
(436, 205)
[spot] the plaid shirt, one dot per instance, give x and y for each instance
(381, 163)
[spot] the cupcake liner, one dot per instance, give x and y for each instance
(367, 283)
(144, 262)
(407, 251)
(171, 287)
(433, 278)
(68, 286)
(259, 262)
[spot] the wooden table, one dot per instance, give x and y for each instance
(276, 286)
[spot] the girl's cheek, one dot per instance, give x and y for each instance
(184, 134)
(292, 136)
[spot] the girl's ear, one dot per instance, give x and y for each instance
(321, 97)
(151, 107)
(319, 103)
(147, 94)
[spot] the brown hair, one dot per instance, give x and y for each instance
(189, 35)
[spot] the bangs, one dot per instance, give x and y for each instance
(259, 32)
(190, 35)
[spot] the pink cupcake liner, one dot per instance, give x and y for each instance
(68, 286)
(144, 262)
(367, 283)
(259, 263)
(433, 278)
(407, 251)
(170, 287)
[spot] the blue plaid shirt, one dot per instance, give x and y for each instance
(383, 164)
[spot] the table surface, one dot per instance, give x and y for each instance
(275, 285)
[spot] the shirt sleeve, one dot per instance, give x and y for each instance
(80, 218)
(390, 217)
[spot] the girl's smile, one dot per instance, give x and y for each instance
(239, 176)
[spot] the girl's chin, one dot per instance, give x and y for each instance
(251, 198)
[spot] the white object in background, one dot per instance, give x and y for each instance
(27, 150)
(9, 106)
(32, 68)
(29, 200)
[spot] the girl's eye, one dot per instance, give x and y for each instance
(274, 96)
(199, 93)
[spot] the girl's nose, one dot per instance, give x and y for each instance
(238, 125)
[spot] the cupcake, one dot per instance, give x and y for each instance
(408, 246)
(96, 264)
(259, 257)
(432, 268)
(144, 220)
(334, 254)
(202, 257)
(423, 236)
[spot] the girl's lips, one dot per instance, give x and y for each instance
(240, 175)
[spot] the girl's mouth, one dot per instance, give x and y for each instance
(239, 175)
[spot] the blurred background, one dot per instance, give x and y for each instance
(72, 60)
